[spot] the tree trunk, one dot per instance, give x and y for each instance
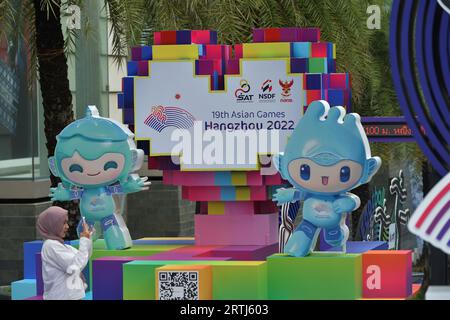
(55, 90)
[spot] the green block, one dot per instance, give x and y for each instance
(319, 276)
(317, 65)
(139, 277)
(245, 280)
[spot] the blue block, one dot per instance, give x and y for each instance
(183, 36)
(120, 100)
(128, 92)
(362, 246)
(29, 262)
(201, 50)
(331, 65)
(128, 116)
(213, 37)
(146, 53)
(132, 68)
(222, 178)
(23, 289)
(228, 193)
(299, 65)
(313, 81)
(300, 50)
(336, 97)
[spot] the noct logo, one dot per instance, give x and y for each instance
(240, 93)
(266, 88)
(286, 87)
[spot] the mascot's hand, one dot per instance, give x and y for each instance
(135, 185)
(60, 193)
(284, 196)
(344, 205)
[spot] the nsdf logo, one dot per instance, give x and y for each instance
(241, 93)
(162, 117)
(266, 94)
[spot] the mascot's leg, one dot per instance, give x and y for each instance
(302, 240)
(336, 236)
(116, 238)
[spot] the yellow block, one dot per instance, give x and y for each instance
(216, 207)
(242, 193)
(183, 277)
(239, 178)
(175, 52)
(266, 50)
(334, 50)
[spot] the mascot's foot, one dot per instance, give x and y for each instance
(298, 245)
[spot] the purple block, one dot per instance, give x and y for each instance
(35, 298)
(258, 35)
(142, 68)
(309, 34)
(299, 65)
(288, 34)
(132, 68)
(128, 116)
(184, 37)
(39, 280)
(213, 37)
(361, 246)
(232, 66)
(136, 53)
(128, 91)
(107, 277)
(204, 67)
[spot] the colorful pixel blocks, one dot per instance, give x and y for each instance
(387, 274)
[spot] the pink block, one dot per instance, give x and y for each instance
(238, 51)
(289, 34)
(143, 68)
(186, 178)
(201, 193)
(258, 193)
(239, 208)
(254, 178)
(201, 36)
(196, 250)
(236, 230)
(168, 176)
(157, 38)
(272, 180)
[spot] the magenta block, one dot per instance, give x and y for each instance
(236, 230)
(238, 51)
(203, 37)
(142, 68)
(136, 53)
(202, 193)
(245, 252)
(36, 298)
(204, 67)
(157, 38)
(258, 193)
(272, 180)
(193, 178)
(239, 208)
(254, 178)
(258, 35)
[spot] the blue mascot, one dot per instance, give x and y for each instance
(95, 157)
(326, 156)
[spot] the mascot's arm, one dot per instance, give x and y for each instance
(346, 203)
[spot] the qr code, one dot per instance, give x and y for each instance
(178, 285)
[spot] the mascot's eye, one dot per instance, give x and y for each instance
(305, 172)
(110, 165)
(345, 174)
(75, 167)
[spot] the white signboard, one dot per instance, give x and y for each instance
(217, 130)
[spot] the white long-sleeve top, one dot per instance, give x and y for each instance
(61, 268)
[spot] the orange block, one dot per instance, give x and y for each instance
(183, 282)
(387, 273)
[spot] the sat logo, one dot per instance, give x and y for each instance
(241, 93)
(387, 274)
